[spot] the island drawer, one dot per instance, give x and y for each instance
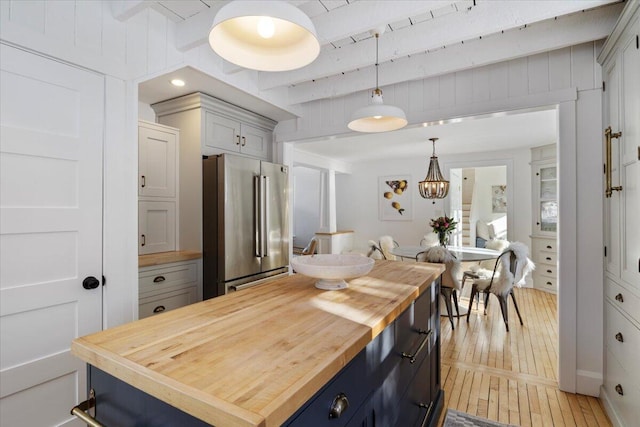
(353, 383)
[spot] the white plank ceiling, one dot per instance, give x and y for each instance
(414, 30)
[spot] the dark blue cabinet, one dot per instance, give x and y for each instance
(394, 381)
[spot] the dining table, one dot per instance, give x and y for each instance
(462, 253)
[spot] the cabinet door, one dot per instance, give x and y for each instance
(612, 204)
(156, 227)
(630, 159)
(255, 142)
(546, 203)
(156, 163)
(220, 133)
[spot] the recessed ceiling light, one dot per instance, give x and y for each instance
(177, 82)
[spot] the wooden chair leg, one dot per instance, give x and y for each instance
(454, 293)
(446, 293)
(503, 308)
(513, 297)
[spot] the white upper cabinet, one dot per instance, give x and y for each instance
(157, 160)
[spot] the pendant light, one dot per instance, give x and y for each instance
(434, 185)
(264, 35)
(377, 117)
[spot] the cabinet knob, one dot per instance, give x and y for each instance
(619, 390)
(619, 337)
(159, 309)
(339, 405)
(619, 298)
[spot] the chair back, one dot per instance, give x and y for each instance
(310, 249)
(511, 268)
(453, 269)
(374, 250)
(386, 244)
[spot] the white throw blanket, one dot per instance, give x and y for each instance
(441, 255)
(504, 280)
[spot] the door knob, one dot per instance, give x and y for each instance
(90, 282)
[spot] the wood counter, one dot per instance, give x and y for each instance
(253, 357)
(161, 258)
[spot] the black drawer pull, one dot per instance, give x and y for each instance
(549, 271)
(158, 279)
(159, 309)
(549, 247)
(144, 240)
(144, 181)
(619, 337)
(549, 283)
(412, 357)
(548, 258)
(428, 413)
(619, 390)
(619, 298)
(339, 405)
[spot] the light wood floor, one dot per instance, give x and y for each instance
(511, 377)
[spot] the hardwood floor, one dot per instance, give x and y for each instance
(511, 377)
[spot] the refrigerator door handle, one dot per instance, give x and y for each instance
(257, 214)
(265, 215)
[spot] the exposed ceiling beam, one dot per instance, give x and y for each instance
(333, 25)
(544, 36)
(487, 17)
(125, 9)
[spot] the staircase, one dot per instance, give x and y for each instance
(468, 183)
(466, 226)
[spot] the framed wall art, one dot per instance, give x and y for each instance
(394, 198)
(499, 198)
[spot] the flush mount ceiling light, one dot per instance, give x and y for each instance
(434, 185)
(377, 117)
(264, 35)
(177, 82)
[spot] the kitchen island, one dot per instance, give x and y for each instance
(280, 353)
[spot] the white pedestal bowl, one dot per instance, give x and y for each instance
(332, 269)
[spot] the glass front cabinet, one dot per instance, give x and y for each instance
(546, 177)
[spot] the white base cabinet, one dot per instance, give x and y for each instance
(166, 287)
(620, 59)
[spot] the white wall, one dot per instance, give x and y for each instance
(145, 112)
(485, 179)
(306, 204)
(357, 196)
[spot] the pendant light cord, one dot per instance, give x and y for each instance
(377, 37)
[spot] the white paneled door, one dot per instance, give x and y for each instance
(51, 133)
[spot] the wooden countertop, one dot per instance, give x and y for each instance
(167, 257)
(253, 357)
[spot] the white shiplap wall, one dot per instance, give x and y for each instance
(542, 79)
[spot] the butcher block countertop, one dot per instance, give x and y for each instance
(167, 257)
(253, 357)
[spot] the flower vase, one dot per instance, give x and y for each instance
(443, 238)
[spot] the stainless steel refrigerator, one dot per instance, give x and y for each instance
(245, 215)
